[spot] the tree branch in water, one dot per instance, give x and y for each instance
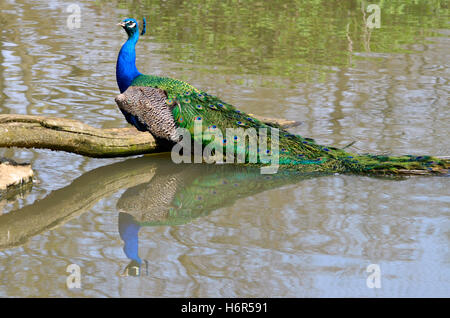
(26, 131)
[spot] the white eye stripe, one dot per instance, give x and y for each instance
(131, 25)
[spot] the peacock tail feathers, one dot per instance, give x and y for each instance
(179, 105)
(190, 107)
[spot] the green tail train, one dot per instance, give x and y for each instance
(150, 99)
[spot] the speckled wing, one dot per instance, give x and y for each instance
(151, 201)
(148, 105)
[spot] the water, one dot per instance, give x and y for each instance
(303, 236)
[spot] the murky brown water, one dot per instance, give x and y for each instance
(230, 233)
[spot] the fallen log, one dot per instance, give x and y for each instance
(27, 131)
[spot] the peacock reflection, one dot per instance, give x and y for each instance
(177, 194)
(157, 193)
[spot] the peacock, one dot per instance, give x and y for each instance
(163, 106)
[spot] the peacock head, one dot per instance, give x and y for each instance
(131, 26)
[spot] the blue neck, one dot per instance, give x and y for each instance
(126, 70)
(129, 232)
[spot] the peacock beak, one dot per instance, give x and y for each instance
(122, 24)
